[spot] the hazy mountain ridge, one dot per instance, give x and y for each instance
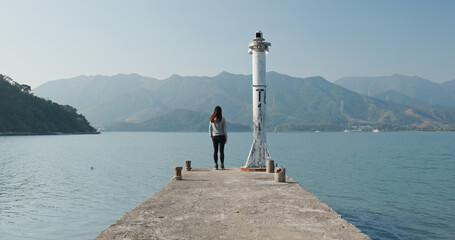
(292, 104)
(88, 91)
(421, 92)
(192, 93)
(449, 84)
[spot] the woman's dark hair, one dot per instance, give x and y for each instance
(217, 113)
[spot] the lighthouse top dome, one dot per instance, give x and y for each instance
(258, 44)
(259, 36)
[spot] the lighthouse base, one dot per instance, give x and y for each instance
(259, 154)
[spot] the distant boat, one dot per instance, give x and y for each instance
(345, 130)
(316, 131)
(375, 130)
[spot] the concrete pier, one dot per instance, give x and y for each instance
(231, 204)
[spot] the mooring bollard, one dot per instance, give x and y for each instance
(188, 165)
(178, 173)
(280, 174)
(270, 166)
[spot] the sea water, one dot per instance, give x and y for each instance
(398, 185)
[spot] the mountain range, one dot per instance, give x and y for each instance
(411, 91)
(136, 103)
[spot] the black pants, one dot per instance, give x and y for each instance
(218, 141)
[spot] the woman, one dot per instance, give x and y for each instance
(218, 133)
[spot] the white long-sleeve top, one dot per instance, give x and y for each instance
(218, 128)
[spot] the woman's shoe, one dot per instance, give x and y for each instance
(216, 166)
(222, 166)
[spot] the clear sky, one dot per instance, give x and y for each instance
(52, 39)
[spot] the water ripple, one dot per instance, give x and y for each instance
(390, 185)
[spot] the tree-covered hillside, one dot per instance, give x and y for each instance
(23, 113)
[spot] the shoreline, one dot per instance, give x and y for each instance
(44, 134)
(317, 131)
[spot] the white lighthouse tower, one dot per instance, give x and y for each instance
(259, 152)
